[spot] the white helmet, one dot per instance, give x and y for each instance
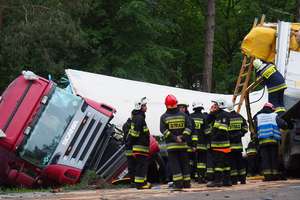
(258, 64)
(183, 103)
(220, 102)
(230, 106)
(197, 104)
(138, 104)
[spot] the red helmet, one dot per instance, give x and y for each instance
(171, 101)
(269, 105)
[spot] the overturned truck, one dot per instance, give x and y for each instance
(49, 136)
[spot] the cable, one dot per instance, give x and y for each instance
(259, 97)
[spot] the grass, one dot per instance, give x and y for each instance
(90, 180)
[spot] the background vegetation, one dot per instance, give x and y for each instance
(158, 41)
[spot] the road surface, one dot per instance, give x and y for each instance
(253, 190)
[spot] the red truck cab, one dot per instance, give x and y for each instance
(47, 135)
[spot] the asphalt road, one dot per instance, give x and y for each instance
(253, 190)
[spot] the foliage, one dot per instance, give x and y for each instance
(147, 40)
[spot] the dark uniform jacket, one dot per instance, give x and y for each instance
(199, 139)
(139, 133)
(237, 129)
(272, 78)
(219, 137)
(174, 123)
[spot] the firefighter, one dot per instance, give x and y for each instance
(220, 144)
(252, 157)
(199, 139)
(176, 129)
(128, 150)
(237, 129)
(274, 81)
(139, 140)
(183, 107)
(209, 176)
(267, 124)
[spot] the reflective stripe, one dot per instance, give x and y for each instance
(187, 131)
(216, 144)
(176, 146)
(277, 88)
(279, 109)
(236, 146)
(266, 141)
(166, 133)
(141, 148)
(242, 172)
(198, 123)
(251, 151)
(269, 71)
(177, 177)
(138, 179)
(145, 128)
(128, 153)
(233, 172)
(194, 137)
(201, 165)
(226, 168)
(209, 170)
(186, 177)
(201, 146)
(134, 133)
(267, 172)
(235, 126)
(220, 126)
(218, 169)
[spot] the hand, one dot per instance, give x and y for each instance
(194, 149)
(179, 139)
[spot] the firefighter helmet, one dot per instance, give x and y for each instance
(230, 106)
(183, 103)
(138, 104)
(197, 104)
(220, 102)
(171, 101)
(269, 105)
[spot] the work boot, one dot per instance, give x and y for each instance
(201, 180)
(186, 184)
(227, 182)
(178, 185)
(234, 180)
(214, 184)
(243, 180)
(145, 186)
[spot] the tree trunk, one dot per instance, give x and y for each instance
(209, 45)
(298, 11)
(1, 13)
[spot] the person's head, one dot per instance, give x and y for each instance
(170, 101)
(259, 64)
(218, 104)
(183, 106)
(141, 104)
(269, 106)
(197, 106)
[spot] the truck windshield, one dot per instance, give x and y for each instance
(47, 132)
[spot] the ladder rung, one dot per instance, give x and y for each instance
(244, 74)
(241, 84)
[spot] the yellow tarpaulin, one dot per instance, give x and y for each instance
(260, 42)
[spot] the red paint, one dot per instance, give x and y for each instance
(61, 174)
(103, 108)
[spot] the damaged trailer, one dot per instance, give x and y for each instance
(50, 137)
